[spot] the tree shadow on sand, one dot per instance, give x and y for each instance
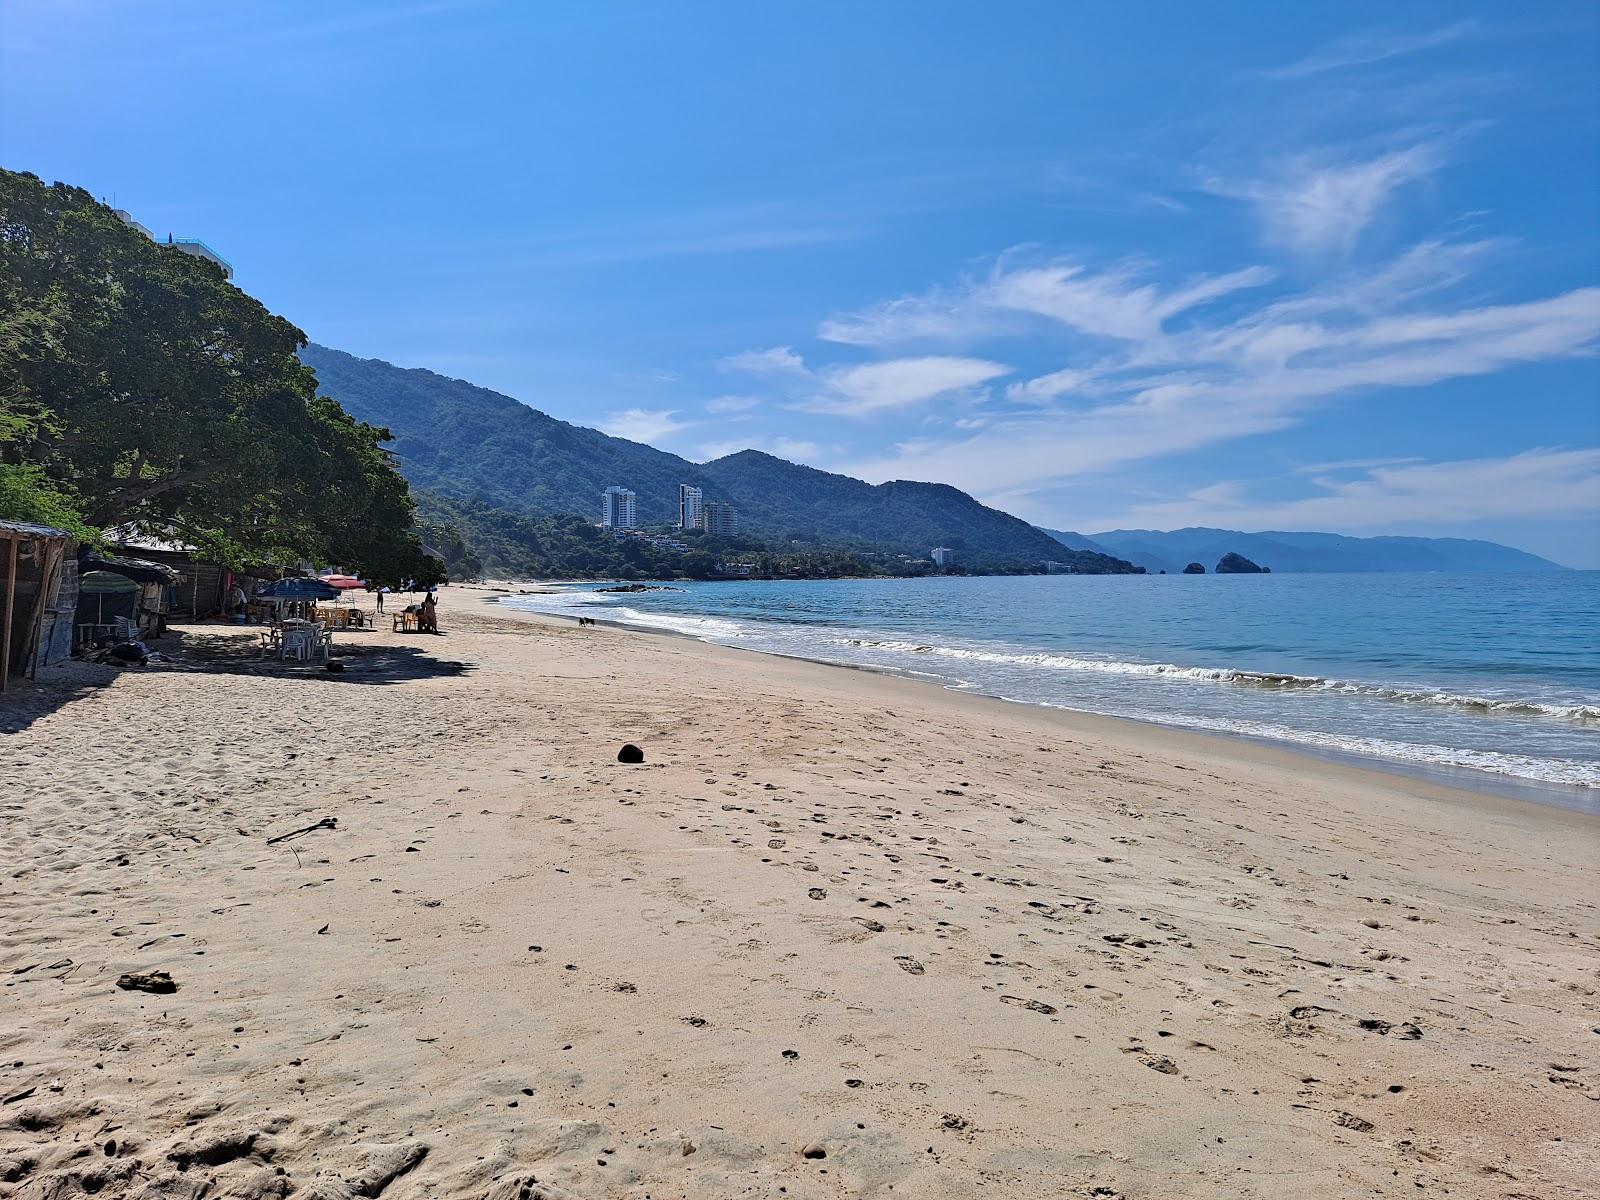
(190, 650)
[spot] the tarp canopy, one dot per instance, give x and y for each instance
(297, 589)
(344, 583)
(134, 568)
(106, 583)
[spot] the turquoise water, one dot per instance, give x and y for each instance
(1486, 676)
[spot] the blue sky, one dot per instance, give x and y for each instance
(1254, 265)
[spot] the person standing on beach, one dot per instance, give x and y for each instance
(381, 591)
(429, 623)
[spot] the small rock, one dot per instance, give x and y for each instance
(155, 981)
(630, 754)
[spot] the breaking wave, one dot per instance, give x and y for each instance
(1584, 713)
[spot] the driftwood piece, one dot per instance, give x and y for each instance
(325, 823)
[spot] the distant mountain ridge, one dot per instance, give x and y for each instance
(469, 442)
(1156, 550)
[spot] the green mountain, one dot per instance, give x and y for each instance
(466, 442)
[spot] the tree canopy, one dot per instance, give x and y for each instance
(138, 387)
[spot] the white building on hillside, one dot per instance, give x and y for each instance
(192, 246)
(689, 501)
(617, 508)
(943, 556)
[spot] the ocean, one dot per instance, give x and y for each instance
(1488, 681)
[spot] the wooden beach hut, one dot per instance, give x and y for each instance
(32, 561)
(135, 589)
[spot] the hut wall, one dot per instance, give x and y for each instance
(55, 640)
(37, 571)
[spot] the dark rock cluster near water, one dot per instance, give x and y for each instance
(1194, 569)
(1238, 564)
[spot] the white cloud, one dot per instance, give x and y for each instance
(871, 388)
(713, 450)
(1048, 388)
(1538, 483)
(936, 316)
(796, 451)
(731, 404)
(1112, 304)
(780, 360)
(1322, 208)
(644, 425)
(1259, 373)
(1363, 51)
(1106, 304)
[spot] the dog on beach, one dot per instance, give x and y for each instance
(585, 620)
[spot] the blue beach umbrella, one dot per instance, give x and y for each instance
(298, 589)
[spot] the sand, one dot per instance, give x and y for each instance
(839, 935)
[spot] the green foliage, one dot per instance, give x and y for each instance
(464, 441)
(27, 495)
(139, 383)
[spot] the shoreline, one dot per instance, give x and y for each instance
(839, 934)
(1567, 797)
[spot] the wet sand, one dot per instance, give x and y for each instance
(840, 934)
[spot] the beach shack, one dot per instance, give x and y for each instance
(32, 562)
(203, 583)
(123, 597)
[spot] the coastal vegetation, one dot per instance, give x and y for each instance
(140, 390)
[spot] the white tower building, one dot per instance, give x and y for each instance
(617, 508)
(689, 501)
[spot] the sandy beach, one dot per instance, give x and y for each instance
(839, 935)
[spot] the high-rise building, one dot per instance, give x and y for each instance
(689, 501)
(617, 508)
(716, 518)
(943, 556)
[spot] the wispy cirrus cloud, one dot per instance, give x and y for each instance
(1122, 399)
(866, 389)
(1542, 483)
(1318, 207)
(778, 360)
(644, 425)
(724, 405)
(899, 383)
(1118, 303)
(1373, 48)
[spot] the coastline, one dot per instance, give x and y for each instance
(1570, 797)
(840, 934)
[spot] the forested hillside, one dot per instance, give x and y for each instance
(140, 389)
(467, 442)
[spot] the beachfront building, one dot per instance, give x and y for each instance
(689, 501)
(716, 518)
(943, 556)
(617, 508)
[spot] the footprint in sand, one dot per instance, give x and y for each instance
(908, 964)
(818, 893)
(1038, 1006)
(1156, 1062)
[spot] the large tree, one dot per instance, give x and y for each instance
(139, 385)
